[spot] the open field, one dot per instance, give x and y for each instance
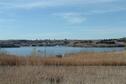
(62, 75)
(81, 68)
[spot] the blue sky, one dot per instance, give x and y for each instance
(60, 19)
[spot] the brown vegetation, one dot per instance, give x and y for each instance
(80, 59)
(62, 75)
(76, 73)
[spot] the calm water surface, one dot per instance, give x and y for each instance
(56, 50)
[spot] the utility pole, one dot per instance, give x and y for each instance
(45, 50)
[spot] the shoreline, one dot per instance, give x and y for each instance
(121, 42)
(79, 59)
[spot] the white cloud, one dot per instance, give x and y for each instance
(29, 4)
(107, 10)
(72, 18)
(93, 6)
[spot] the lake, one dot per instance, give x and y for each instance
(56, 50)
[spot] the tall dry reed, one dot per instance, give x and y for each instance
(80, 59)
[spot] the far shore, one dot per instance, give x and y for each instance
(120, 42)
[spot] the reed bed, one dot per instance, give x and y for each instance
(70, 69)
(62, 75)
(79, 59)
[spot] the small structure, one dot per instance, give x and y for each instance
(59, 56)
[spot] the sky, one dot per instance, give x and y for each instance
(62, 19)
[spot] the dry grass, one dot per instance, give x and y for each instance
(62, 75)
(80, 59)
(72, 70)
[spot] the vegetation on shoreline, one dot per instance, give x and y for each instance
(105, 67)
(121, 42)
(80, 59)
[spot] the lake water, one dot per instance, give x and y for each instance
(56, 50)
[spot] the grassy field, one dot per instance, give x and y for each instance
(80, 59)
(62, 75)
(81, 68)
